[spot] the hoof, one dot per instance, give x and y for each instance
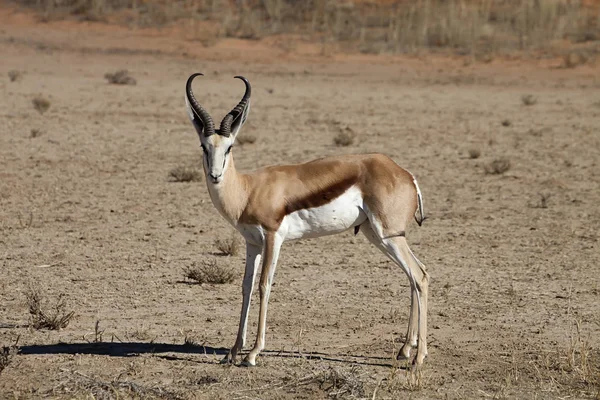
(247, 364)
(404, 354)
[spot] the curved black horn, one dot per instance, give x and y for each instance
(200, 115)
(238, 111)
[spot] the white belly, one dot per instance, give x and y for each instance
(337, 216)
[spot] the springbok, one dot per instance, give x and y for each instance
(369, 192)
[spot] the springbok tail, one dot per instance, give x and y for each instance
(419, 213)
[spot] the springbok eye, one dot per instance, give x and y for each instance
(204, 149)
(228, 150)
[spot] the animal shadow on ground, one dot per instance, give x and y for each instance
(132, 349)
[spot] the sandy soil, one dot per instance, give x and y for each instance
(87, 210)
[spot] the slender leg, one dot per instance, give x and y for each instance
(272, 246)
(253, 256)
(413, 323)
(399, 252)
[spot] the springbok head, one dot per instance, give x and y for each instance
(217, 143)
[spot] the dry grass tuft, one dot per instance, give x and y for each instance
(575, 58)
(338, 383)
(6, 355)
(121, 77)
(528, 99)
(14, 75)
(474, 153)
(77, 385)
(345, 137)
(41, 104)
(55, 318)
(35, 132)
(185, 174)
(229, 246)
(497, 167)
(209, 271)
(246, 139)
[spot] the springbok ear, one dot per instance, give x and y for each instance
(238, 122)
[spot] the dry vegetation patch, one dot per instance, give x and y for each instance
(478, 28)
(185, 174)
(14, 75)
(474, 153)
(497, 166)
(345, 137)
(6, 356)
(229, 246)
(209, 271)
(246, 139)
(41, 104)
(42, 316)
(78, 385)
(528, 99)
(120, 77)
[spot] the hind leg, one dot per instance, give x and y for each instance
(399, 252)
(389, 249)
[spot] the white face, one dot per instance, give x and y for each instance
(217, 153)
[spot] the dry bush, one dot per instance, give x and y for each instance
(498, 166)
(209, 271)
(41, 104)
(477, 28)
(337, 383)
(43, 317)
(542, 201)
(575, 58)
(474, 153)
(14, 75)
(245, 139)
(35, 132)
(185, 174)
(345, 137)
(506, 122)
(6, 355)
(76, 385)
(120, 77)
(528, 99)
(229, 246)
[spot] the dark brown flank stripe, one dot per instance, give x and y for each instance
(320, 198)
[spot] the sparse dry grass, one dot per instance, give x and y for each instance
(6, 356)
(41, 104)
(14, 75)
(209, 271)
(345, 137)
(35, 132)
(54, 317)
(528, 99)
(575, 58)
(476, 28)
(120, 77)
(78, 385)
(474, 153)
(497, 166)
(185, 174)
(228, 246)
(246, 139)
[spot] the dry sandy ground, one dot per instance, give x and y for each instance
(87, 210)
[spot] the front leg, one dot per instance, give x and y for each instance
(253, 256)
(273, 243)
